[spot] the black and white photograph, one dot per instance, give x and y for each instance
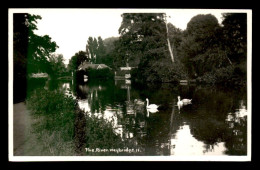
(115, 84)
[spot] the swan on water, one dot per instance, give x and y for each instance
(151, 111)
(151, 106)
(183, 101)
(179, 103)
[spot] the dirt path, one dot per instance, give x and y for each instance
(20, 116)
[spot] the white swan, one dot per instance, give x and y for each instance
(183, 101)
(179, 103)
(151, 111)
(151, 106)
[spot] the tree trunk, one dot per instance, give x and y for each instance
(169, 44)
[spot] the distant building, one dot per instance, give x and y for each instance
(87, 65)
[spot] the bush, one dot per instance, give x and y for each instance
(53, 113)
(56, 109)
(228, 76)
(162, 71)
(63, 129)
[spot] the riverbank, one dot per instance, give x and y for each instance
(19, 126)
(25, 142)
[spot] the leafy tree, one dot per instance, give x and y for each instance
(30, 50)
(39, 51)
(143, 36)
(77, 59)
(141, 32)
(72, 66)
(215, 53)
(109, 44)
(235, 35)
(235, 42)
(201, 48)
(143, 42)
(175, 36)
(101, 51)
(20, 50)
(92, 48)
(57, 65)
(20, 44)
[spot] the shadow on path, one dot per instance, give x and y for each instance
(20, 115)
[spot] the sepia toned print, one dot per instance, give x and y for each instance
(160, 85)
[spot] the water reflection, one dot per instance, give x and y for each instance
(184, 143)
(214, 124)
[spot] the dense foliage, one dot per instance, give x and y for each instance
(55, 113)
(65, 128)
(104, 73)
(213, 53)
(57, 66)
(204, 50)
(31, 52)
(143, 43)
(77, 59)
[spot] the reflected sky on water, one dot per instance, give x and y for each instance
(215, 123)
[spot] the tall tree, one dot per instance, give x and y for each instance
(142, 35)
(168, 39)
(109, 44)
(20, 50)
(235, 35)
(201, 48)
(101, 51)
(57, 66)
(143, 42)
(175, 37)
(39, 51)
(92, 48)
(30, 51)
(77, 59)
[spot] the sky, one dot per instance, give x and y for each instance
(70, 28)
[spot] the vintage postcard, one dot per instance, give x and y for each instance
(129, 84)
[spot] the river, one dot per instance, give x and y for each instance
(214, 123)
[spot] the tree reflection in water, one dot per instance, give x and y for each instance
(214, 124)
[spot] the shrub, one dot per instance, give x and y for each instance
(163, 71)
(53, 113)
(228, 76)
(63, 129)
(56, 109)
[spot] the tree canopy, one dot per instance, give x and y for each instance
(30, 51)
(143, 42)
(235, 35)
(201, 45)
(57, 66)
(78, 59)
(161, 52)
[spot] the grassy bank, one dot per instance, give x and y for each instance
(52, 114)
(62, 129)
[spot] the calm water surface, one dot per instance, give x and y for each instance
(214, 124)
